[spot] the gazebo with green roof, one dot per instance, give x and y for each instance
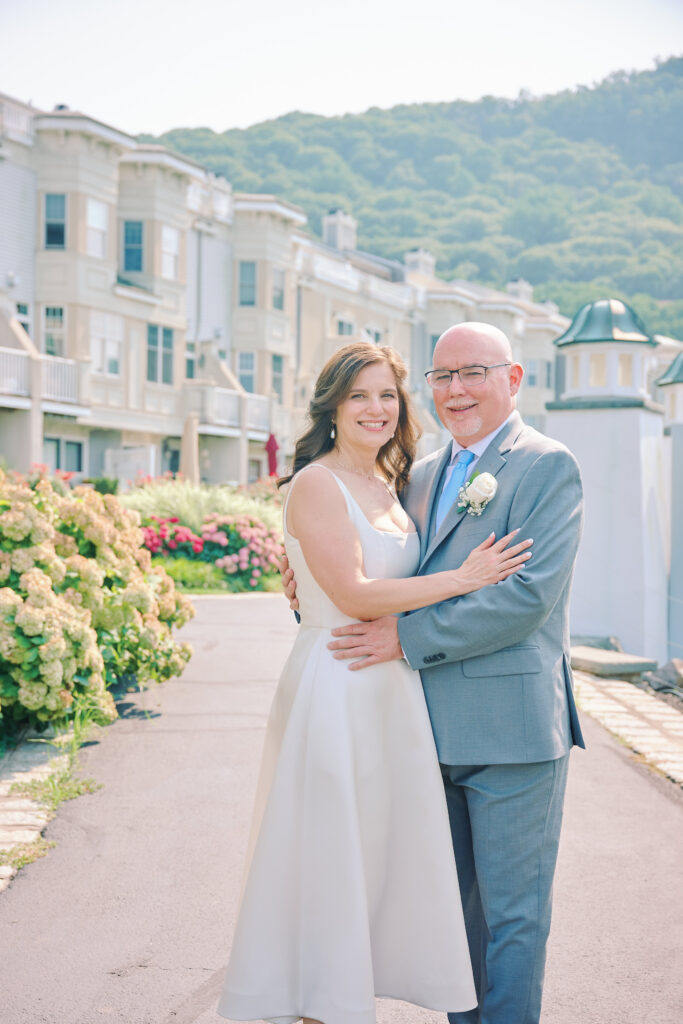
(607, 355)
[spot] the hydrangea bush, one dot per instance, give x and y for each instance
(80, 603)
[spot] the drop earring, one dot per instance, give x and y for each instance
(333, 432)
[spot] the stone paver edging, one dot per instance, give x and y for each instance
(23, 820)
(651, 727)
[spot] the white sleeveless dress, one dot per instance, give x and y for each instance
(350, 888)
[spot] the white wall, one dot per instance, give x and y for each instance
(620, 585)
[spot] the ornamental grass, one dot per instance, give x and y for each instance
(81, 605)
(190, 503)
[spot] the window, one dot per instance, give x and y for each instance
(253, 470)
(61, 454)
(246, 370)
(277, 377)
(433, 338)
(55, 221)
(344, 327)
(247, 283)
(23, 316)
(159, 354)
(625, 370)
(576, 372)
(549, 374)
(53, 332)
(532, 373)
(51, 453)
(106, 342)
(190, 359)
(132, 245)
(597, 370)
(97, 229)
(73, 456)
(170, 247)
(278, 288)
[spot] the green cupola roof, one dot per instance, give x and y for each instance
(605, 320)
(674, 373)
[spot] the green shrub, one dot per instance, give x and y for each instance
(191, 575)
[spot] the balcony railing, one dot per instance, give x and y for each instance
(223, 406)
(14, 372)
(60, 379)
(228, 407)
(258, 413)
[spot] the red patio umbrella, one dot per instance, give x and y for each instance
(272, 449)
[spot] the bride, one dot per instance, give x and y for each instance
(350, 888)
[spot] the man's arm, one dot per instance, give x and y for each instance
(548, 508)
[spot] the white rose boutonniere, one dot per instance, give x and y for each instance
(477, 493)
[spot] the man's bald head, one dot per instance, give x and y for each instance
(473, 412)
(492, 344)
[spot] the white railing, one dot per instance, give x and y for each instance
(60, 379)
(14, 372)
(258, 413)
(228, 407)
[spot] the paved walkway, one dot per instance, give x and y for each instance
(129, 917)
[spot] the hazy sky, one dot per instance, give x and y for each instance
(151, 65)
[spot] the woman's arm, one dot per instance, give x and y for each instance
(317, 516)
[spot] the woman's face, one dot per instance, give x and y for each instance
(368, 416)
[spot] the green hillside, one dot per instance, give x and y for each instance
(579, 192)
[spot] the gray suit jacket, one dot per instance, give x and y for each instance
(495, 663)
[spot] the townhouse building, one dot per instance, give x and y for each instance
(142, 300)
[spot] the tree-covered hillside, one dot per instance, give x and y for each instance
(580, 192)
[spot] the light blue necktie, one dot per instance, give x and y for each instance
(451, 488)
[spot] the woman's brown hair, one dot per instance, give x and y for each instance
(332, 387)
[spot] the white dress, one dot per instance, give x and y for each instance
(350, 889)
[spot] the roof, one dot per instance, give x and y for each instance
(606, 320)
(674, 374)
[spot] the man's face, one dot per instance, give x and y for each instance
(472, 412)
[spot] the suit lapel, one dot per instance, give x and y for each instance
(432, 490)
(492, 461)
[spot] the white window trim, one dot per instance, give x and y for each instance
(107, 334)
(60, 331)
(248, 371)
(170, 252)
(97, 219)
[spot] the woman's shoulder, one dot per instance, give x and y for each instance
(316, 480)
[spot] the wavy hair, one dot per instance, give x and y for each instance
(334, 384)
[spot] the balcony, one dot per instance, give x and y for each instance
(258, 413)
(14, 372)
(225, 408)
(58, 381)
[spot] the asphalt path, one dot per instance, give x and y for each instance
(128, 919)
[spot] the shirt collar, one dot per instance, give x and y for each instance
(478, 447)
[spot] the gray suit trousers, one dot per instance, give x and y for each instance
(506, 819)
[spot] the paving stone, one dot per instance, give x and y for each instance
(609, 663)
(24, 819)
(10, 837)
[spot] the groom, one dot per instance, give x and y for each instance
(494, 663)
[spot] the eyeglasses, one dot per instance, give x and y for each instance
(470, 376)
